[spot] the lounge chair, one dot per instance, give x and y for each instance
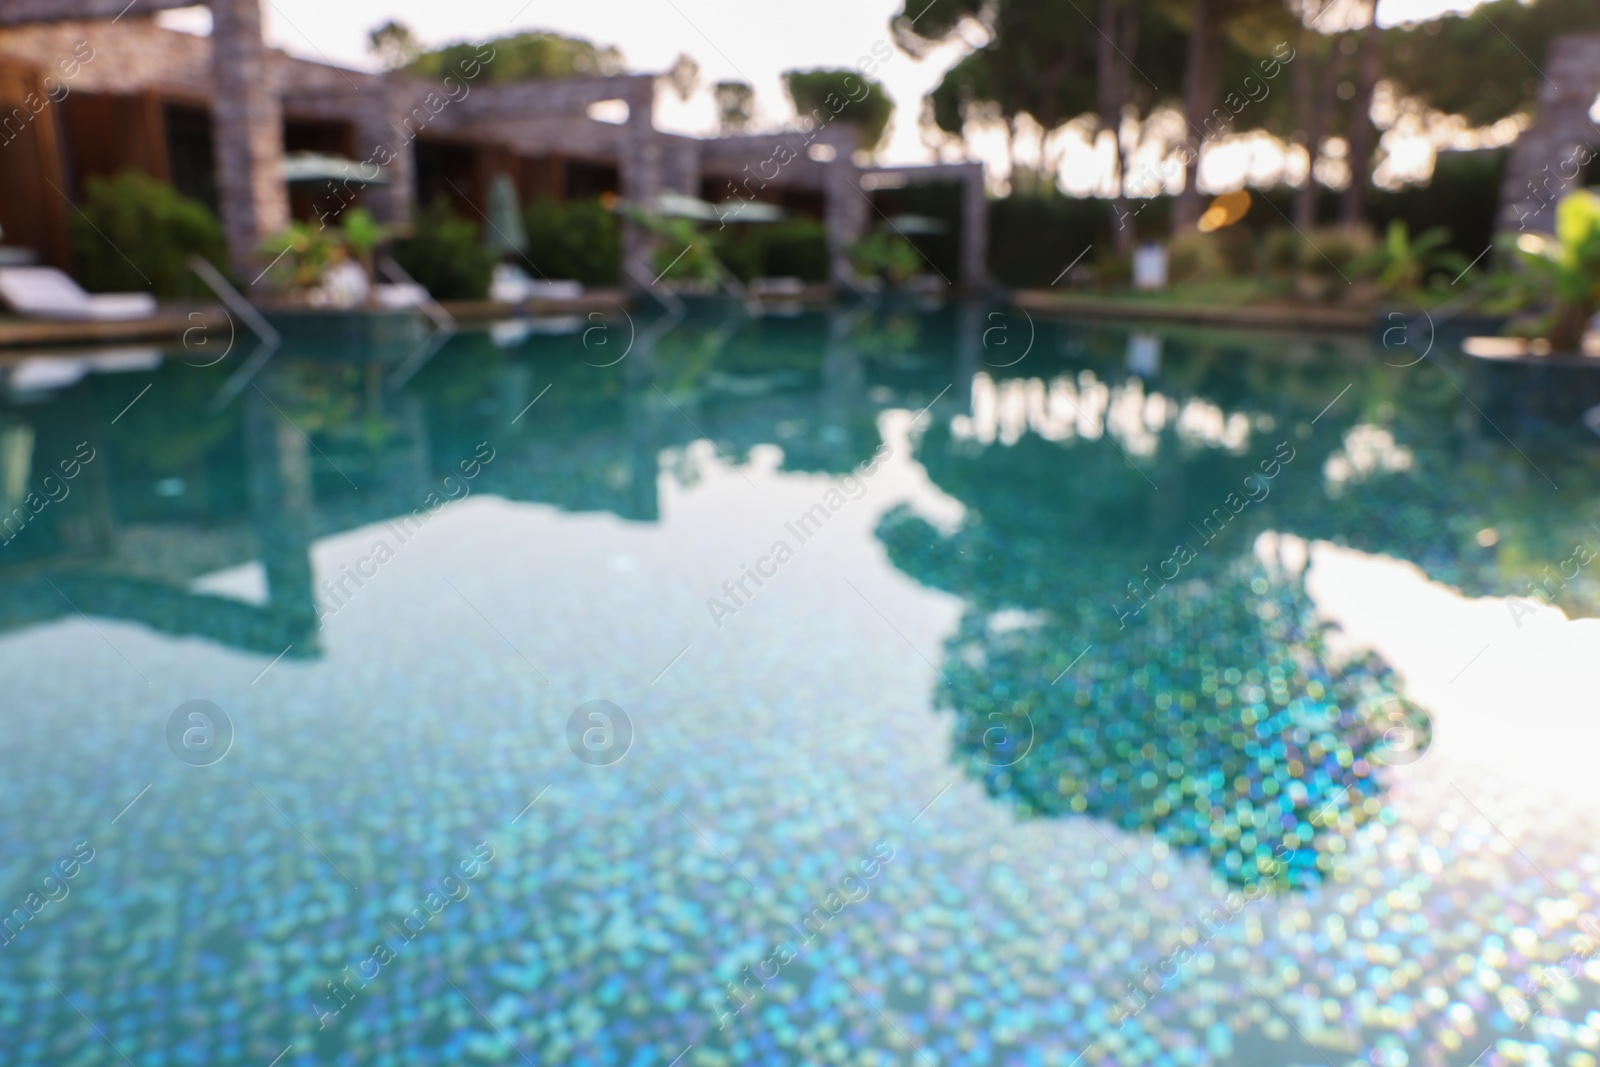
(46, 293)
(511, 285)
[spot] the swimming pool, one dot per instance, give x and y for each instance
(872, 686)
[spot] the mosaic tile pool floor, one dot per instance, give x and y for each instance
(802, 691)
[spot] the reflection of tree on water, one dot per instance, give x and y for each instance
(1210, 718)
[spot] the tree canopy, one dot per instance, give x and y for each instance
(1483, 64)
(842, 96)
(523, 56)
(735, 106)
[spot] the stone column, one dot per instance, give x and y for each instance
(1545, 162)
(974, 230)
(282, 501)
(845, 214)
(247, 125)
(640, 177)
(681, 169)
(377, 140)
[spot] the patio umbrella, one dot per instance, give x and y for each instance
(749, 211)
(918, 225)
(306, 167)
(506, 234)
(682, 206)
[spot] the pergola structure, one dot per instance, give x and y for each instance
(429, 139)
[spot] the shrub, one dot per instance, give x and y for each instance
(1194, 256)
(886, 255)
(1033, 238)
(1280, 250)
(1463, 194)
(579, 240)
(1335, 250)
(1565, 271)
(306, 252)
(1402, 264)
(683, 254)
(1236, 246)
(796, 248)
(1112, 270)
(137, 233)
(300, 255)
(445, 254)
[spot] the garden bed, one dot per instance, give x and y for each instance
(1160, 308)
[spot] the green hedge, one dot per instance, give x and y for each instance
(445, 254)
(134, 233)
(794, 248)
(1463, 196)
(1032, 238)
(579, 240)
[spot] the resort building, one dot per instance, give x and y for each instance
(94, 87)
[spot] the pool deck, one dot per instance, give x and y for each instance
(173, 321)
(167, 325)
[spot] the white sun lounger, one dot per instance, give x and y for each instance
(46, 293)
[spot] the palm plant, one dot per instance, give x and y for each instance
(1567, 267)
(1401, 264)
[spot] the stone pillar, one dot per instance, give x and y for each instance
(974, 230)
(640, 176)
(681, 168)
(1545, 162)
(282, 502)
(377, 139)
(247, 128)
(845, 214)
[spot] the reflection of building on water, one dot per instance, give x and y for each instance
(204, 526)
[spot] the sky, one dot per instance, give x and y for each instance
(729, 39)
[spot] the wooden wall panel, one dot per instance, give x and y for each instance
(109, 134)
(543, 179)
(33, 187)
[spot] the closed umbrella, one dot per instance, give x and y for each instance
(506, 234)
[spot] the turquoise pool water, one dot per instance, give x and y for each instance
(865, 687)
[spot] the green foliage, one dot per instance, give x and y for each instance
(1564, 273)
(444, 254)
(1402, 264)
(1240, 254)
(361, 235)
(1482, 63)
(1193, 256)
(735, 106)
(299, 256)
(1463, 193)
(1032, 239)
(578, 239)
(1280, 251)
(522, 57)
(1331, 254)
(133, 217)
(303, 252)
(795, 248)
(842, 96)
(394, 45)
(686, 255)
(886, 255)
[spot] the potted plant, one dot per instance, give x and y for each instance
(324, 287)
(1562, 274)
